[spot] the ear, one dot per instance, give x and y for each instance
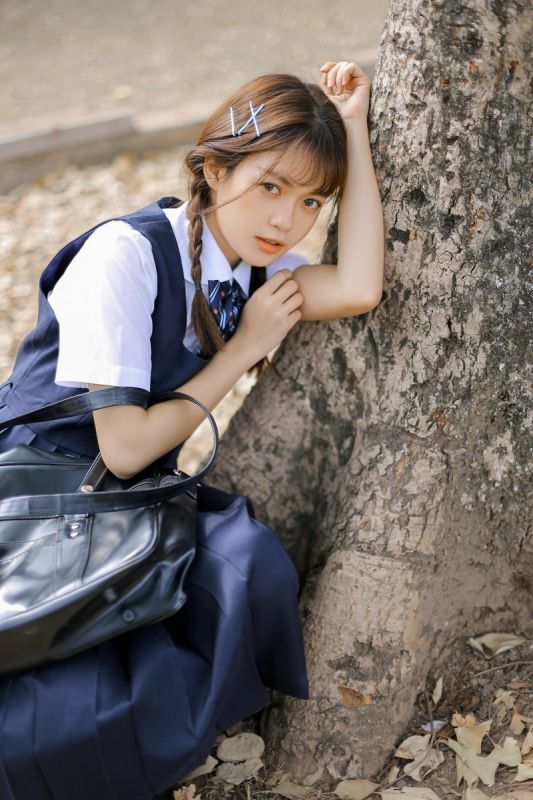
(213, 173)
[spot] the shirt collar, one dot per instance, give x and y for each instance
(215, 265)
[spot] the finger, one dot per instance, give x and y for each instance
(278, 279)
(286, 290)
(324, 69)
(332, 77)
(343, 76)
(293, 302)
(294, 316)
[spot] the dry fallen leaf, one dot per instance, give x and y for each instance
(519, 794)
(527, 744)
(277, 777)
(392, 774)
(423, 764)
(524, 772)
(472, 735)
(437, 692)
(517, 724)
(292, 790)
(412, 746)
(241, 747)
(475, 794)
(186, 793)
(505, 697)
(464, 773)
(508, 753)
(458, 720)
(208, 766)
(355, 789)
(351, 698)
(483, 766)
(237, 773)
(496, 643)
(411, 792)
(505, 700)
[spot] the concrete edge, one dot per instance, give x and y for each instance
(27, 153)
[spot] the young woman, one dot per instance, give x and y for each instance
(189, 296)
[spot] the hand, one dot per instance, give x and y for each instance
(348, 87)
(268, 315)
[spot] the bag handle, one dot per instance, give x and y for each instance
(82, 502)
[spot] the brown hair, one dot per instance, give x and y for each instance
(296, 116)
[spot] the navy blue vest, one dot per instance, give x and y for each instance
(31, 383)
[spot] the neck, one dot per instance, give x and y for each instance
(233, 258)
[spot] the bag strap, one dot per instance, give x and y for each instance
(81, 403)
(83, 502)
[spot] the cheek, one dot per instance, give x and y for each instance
(306, 223)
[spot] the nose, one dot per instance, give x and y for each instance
(283, 216)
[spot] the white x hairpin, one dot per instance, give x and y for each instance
(252, 118)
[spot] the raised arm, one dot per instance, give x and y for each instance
(354, 285)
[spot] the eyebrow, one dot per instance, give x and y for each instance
(282, 179)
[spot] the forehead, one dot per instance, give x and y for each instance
(291, 166)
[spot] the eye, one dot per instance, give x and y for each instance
(270, 186)
(312, 200)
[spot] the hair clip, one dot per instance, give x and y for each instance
(252, 118)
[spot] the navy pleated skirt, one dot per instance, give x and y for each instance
(131, 717)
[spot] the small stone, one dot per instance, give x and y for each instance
(243, 746)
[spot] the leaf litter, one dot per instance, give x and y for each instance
(481, 747)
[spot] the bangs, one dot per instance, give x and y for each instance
(316, 164)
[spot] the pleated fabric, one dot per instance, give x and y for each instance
(129, 718)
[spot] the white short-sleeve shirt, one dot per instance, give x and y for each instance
(104, 301)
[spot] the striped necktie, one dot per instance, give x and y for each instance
(226, 299)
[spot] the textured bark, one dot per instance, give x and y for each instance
(390, 450)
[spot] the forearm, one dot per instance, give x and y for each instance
(130, 437)
(360, 224)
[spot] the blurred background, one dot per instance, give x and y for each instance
(70, 56)
(102, 99)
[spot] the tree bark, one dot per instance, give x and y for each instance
(389, 450)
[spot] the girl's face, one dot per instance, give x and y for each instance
(277, 209)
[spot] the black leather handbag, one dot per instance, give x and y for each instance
(85, 556)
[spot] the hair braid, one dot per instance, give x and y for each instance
(203, 322)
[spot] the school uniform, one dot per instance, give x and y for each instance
(132, 716)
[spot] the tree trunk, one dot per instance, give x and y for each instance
(389, 450)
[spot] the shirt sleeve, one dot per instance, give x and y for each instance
(286, 261)
(103, 303)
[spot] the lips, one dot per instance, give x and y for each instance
(271, 241)
(269, 245)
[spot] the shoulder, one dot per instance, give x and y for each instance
(119, 236)
(289, 260)
(114, 255)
